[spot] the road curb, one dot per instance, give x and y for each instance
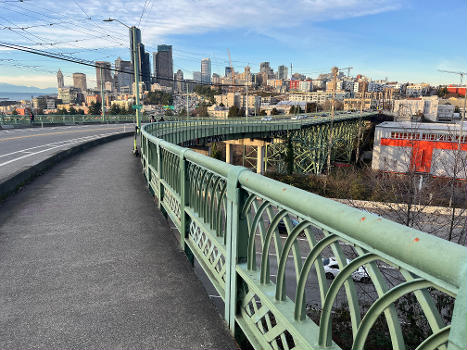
(20, 178)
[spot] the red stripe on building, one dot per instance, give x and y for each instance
(422, 151)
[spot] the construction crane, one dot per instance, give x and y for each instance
(461, 74)
(348, 70)
(231, 67)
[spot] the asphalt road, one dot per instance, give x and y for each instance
(88, 262)
(21, 148)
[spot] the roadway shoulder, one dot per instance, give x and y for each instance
(18, 179)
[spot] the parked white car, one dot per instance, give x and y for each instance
(298, 117)
(331, 269)
(266, 119)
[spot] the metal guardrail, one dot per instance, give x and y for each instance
(66, 119)
(228, 219)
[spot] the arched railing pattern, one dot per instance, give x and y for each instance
(298, 271)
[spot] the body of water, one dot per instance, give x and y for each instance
(18, 96)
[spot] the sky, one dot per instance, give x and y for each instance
(402, 40)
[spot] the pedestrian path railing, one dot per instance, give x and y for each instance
(263, 244)
(41, 120)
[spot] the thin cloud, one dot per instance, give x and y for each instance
(181, 17)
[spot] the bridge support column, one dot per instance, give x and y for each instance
(260, 160)
(228, 153)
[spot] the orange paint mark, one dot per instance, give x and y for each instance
(416, 239)
(363, 219)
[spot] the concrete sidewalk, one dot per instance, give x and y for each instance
(87, 262)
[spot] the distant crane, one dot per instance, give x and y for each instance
(461, 74)
(348, 70)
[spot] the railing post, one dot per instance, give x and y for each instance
(237, 243)
(159, 174)
(184, 218)
(458, 334)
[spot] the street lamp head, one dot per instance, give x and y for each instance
(108, 20)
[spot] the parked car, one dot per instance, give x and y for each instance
(324, 115)
(298, 117)
(331, 269)
(266, 119)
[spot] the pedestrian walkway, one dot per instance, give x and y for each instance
(87, 262)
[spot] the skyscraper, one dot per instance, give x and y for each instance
(282, 72)
(145, 67)
(106, 73)
(206, 71)
(264, 67)
(178, 77)
(123, 76)
(60, 82)
(79, 81)
(197, 77)
(228, 72)
(143, 58)
(163, 65)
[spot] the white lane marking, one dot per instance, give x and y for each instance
(215, 296)
(32, 154)
(49, 144)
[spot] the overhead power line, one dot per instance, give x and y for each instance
(93, 64)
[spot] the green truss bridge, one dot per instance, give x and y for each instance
(262, 244)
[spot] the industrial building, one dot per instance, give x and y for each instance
(426, 148)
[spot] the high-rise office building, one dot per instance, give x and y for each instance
(228, 72)
(106, 73)
(178, 77)
(264, 67)
(282, 72)
(79, 81)
(163, 65)
(123, 74)
(60, 82)
(143, 58)
(206, 71)
(197, 77)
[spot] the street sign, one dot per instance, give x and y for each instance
(169, 107)
(137, 106)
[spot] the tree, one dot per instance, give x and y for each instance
(14, 112)
(182, 112)
(72, 111)
(311, 107)
(95, 108)
(169, 113)
(115, 109)
(234, 112)
(262, 112)
(158, 98)
(274, 111)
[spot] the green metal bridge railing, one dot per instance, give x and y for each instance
(66, 119)
(228, 219)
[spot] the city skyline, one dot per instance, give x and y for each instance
(380, 39)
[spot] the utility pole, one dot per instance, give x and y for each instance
(334, 85)
(246, 101)
(102, 93)
(362, 100)
(136, 73)
(187, 114)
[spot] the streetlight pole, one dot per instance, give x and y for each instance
(136, 74)
(102, 93)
